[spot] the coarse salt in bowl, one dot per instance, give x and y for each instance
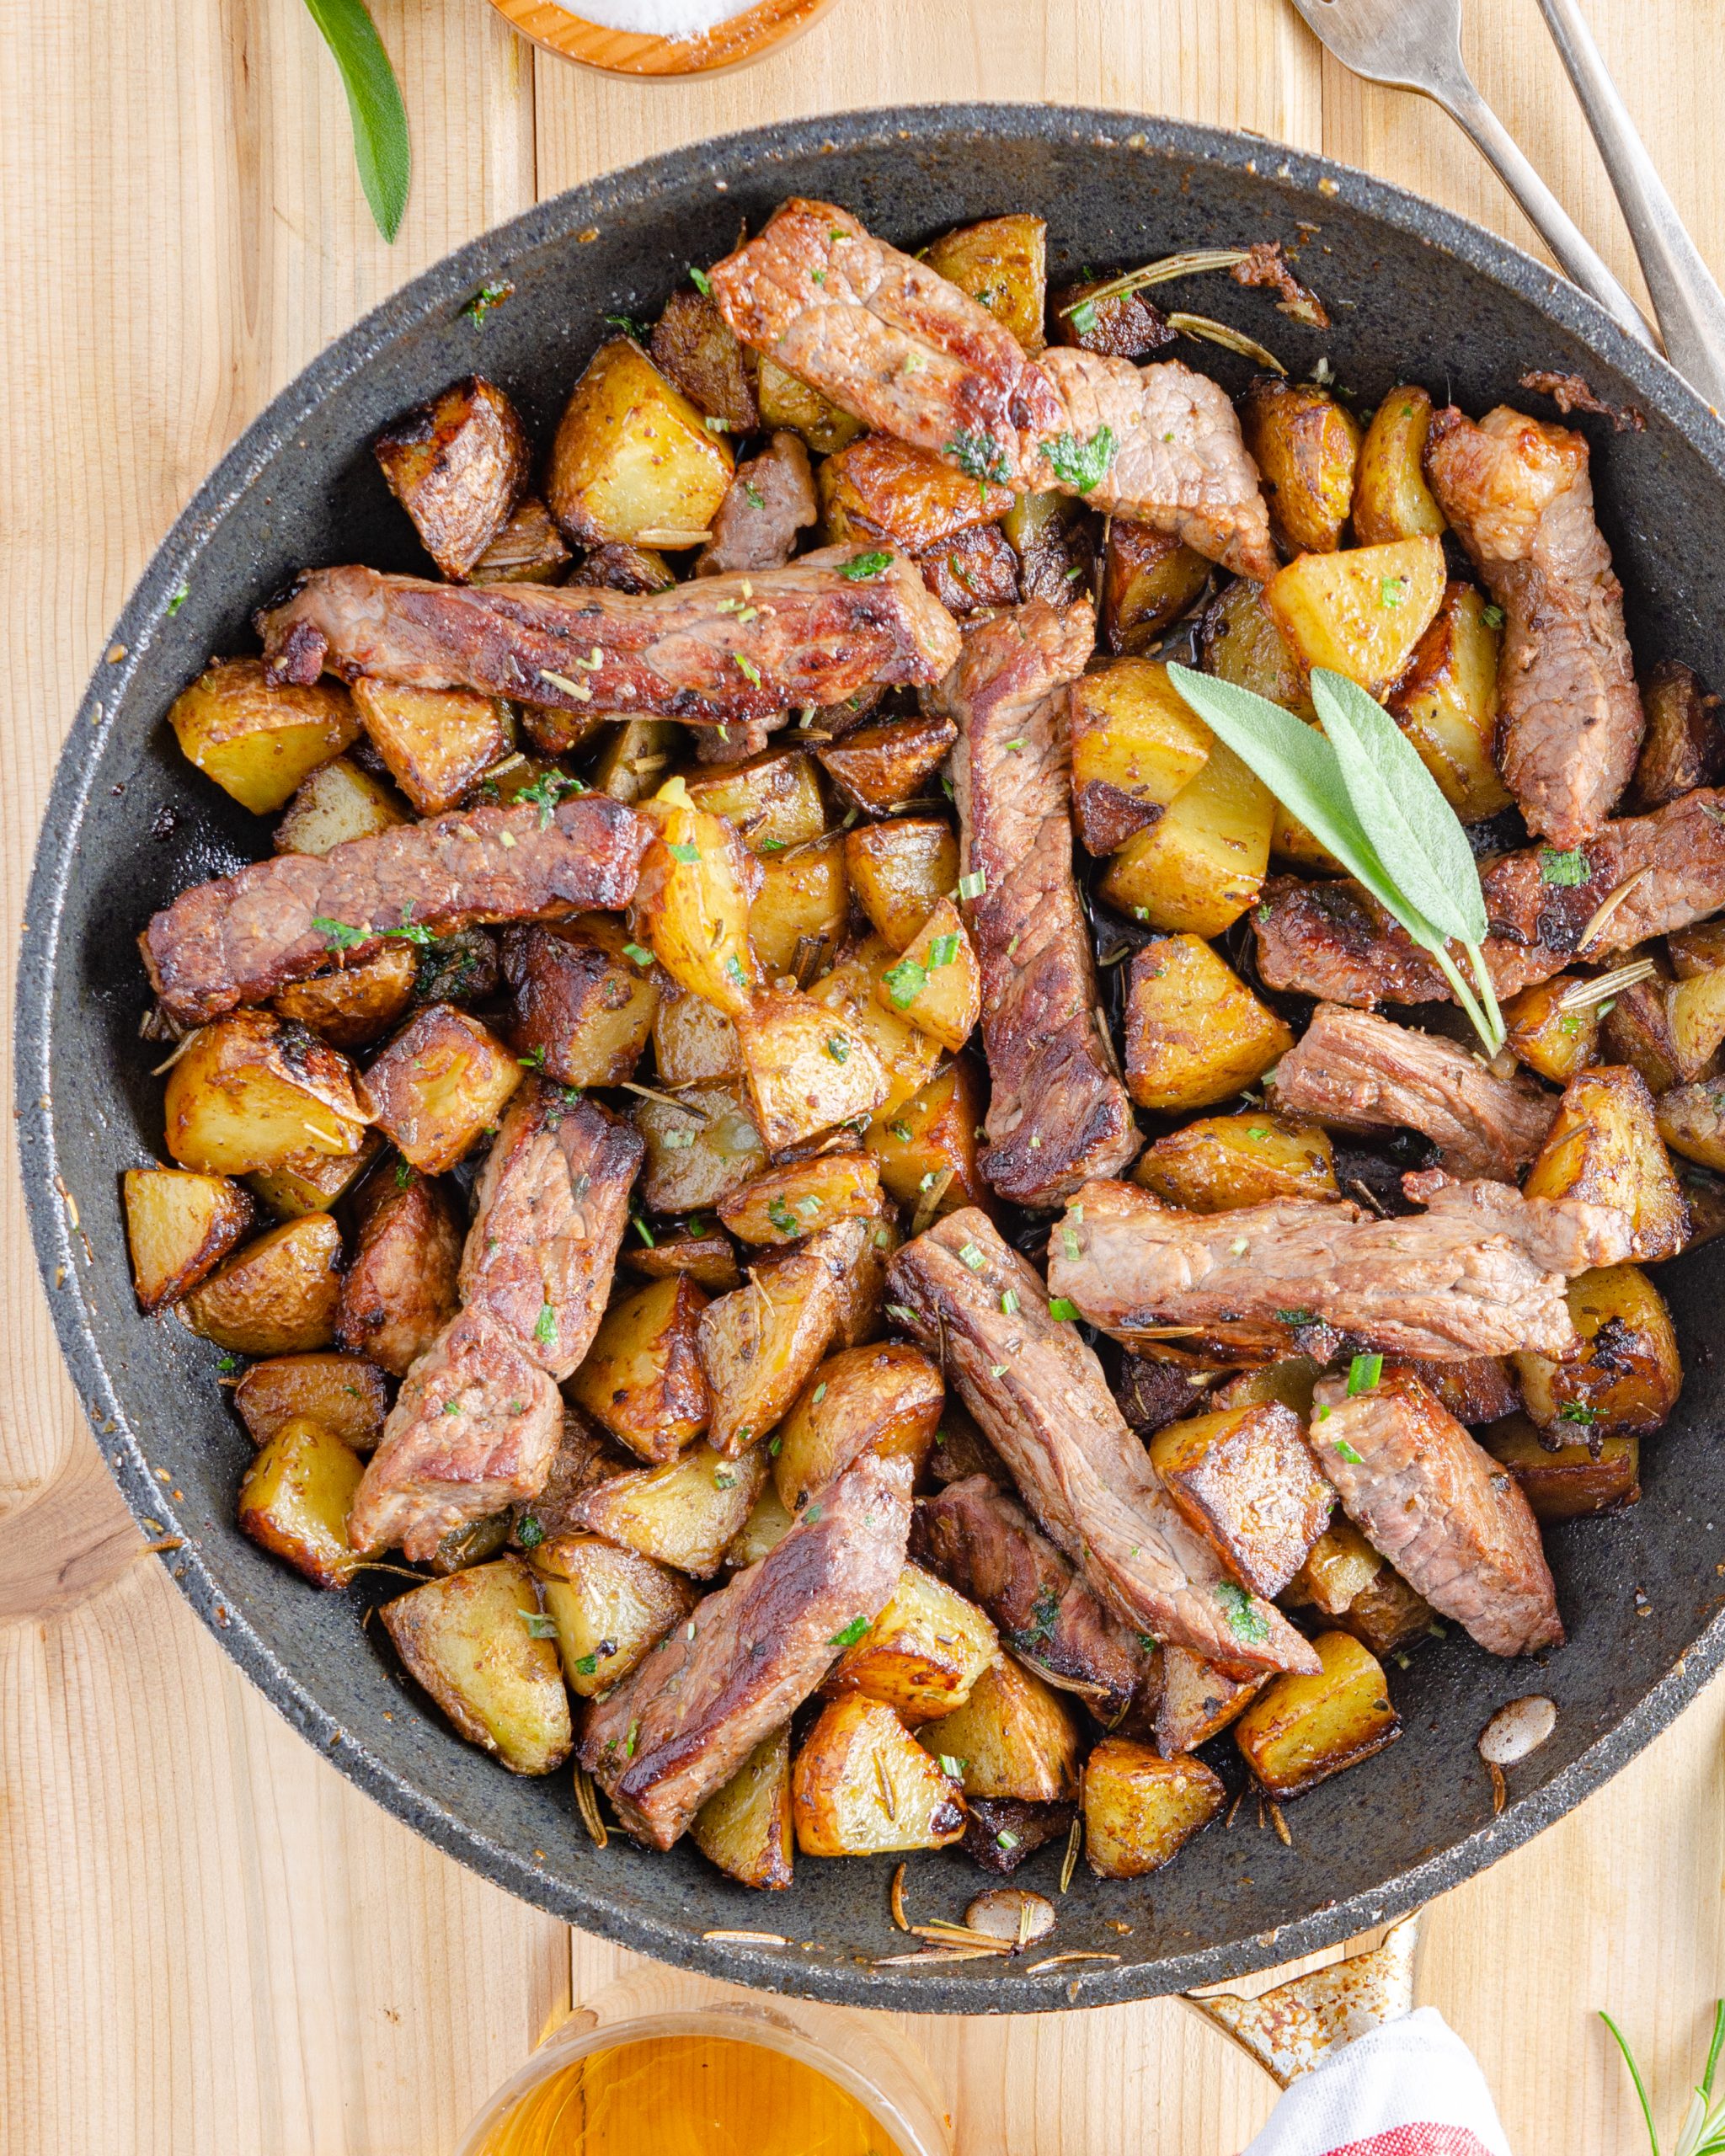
(661, 37)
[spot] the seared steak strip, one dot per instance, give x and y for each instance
(770, 499)
(983, 1543)
(1452, 1522)
(1355, 1071)
(1518, 493)
(719, 651)
(895, 344)
(1040, 1396)
(679, 1726)
(1058, 1111)
(241, 937)
(1481, 1272)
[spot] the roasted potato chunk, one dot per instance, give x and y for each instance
(1550, 1039)
(705, 1253)
(923, 1653)
(797, 922)
(634, 461)
(883, 488)
(609, 1606)
(1446, 703)
(692, 902)
(786, 401)
(686, 1514)
(528, 549)
(1387, 1615)
(1002, 264)
(1301, 1730)
(1149, 580)
(974, 570)
(885, 767)
(1140, 1810)
(276, 1296)
(1339, 1567)
(295, 1497)
(1684, 747)
(744, 1828)
(457, 464)
(441, 1081)
(344, 1393)
(927, 1145)
(1197, 1701)
(1391, 499)
(862, 1785)
(1055, 544)
(1604, 1147)
(1691, 1121)
(900, 871)
(1290, 1381)
(435, 742)
(937, 983)
(479, 1644)
(249, 1091)
(1135, 743)
(583, 1007)
(766, 1528)
(807, 1069)
(1589, 1476)
(1626, 1381)
(695, 347)
(1361, 613)
(1245, 1479)
(338, 801)
(1694, 1022)
(1307, 448)
(180, 1226)
(698, 1149)
(1637, 1031)
(1241, 641)
(772, 801)
(787, 1203)
(358, 1004)
(642, 1379)
(886, 1398)
(908, 1056)
(1224, 1161)
(1196, 1033)
(1201, 864)
(313, 1182)
(257, 741)
(694, 1042)
(1014, 1737)
(399, 1290)
(631, 761)
(459, 968)
(856, 1254)
(759, 1344)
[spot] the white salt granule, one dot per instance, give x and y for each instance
(674, 19)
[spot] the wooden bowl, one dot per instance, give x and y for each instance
(748, 36)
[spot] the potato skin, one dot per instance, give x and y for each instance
(1391, 499)
(922, 1655)
(694, 346)
(458, 465)
(465, 1640)
(1140, 1810)
(583, 1008)
(744, 1828)
(338, 801)
(1244, 1478)
(856, 1746)
(399, 1290)
(1446, 703)
(773, 801)
(357, 1005)
(251, 1091)
(798, 921)
(1221, 1161)
(806, 1070)
(1590, 1476)
(528, 549)
(179, 1226)
(787, 1203)
(633, 460)
(1002, 264)
(1306, 446)
(1549, 1040)
(441, 1081)
(344, 1393)
(1627, 1377)
(927, 1145)
(1149, 580)
(609, 1606)
(1014, 1737)
(257, 741)
(1604, 1146)
(276, 1296)
(883, 766)
(1684, 746)
(698, 1150)
(691, 902)
(883, 488)
(295, 1497)
(937, 981)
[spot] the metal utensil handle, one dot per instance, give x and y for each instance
(1688, 302)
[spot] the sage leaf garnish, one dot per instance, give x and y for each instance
(374, 102)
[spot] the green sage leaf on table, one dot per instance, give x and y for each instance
(374, 101)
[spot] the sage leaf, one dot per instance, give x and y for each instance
(381, 150)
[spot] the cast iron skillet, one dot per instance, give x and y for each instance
(1416, 294)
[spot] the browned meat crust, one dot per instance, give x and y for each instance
(399, 1290)
(1058, 1111)
(241, 937)
(1452, 1522)
(549, 1212)
(474, 1429)
(679, 1726)
(1574, 392)
(1355, 1071)
(1518, 493)
(770, 499)
(1040, 1395)
(1335, 941)
(984, 1543)
(895, 343)
(719, 651)
(1480, 1272)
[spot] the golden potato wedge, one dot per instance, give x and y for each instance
(345, 1393)
(1301, 1730)
(760, 1345)
(295, 1497)
(1201, 864)
(609, 1606)
(1149, 580)
(257, 741)
(1241, 641)
(249, 1091)
(276, 1296)
(399, 1290)
(886, 1398)
(922, 1654)
(797, 923)
(1290, 1381)
(883, 488)
(441, 1081)
(686, 1514)
(1446, 702)
(692, 901)
(1339, 1567)
(900, 871)
(583, 1007)
(1140, 1810)
(764, 1529)
(937, 983)
(856, 1254)
(786, 401)
(313, 1182)
(707, 1256)
(928, 1145)
(697, 1150)
(1360, 613)
(787, 1203)
(1013, 1736)
(1388, 1615)
(635, 755)
(1002, 264)
(807, 1069)
(694, 346)
(336, 803)
(1555, 1042)
(882, 767)
(1196, 1033)
(1694, 1020)
(1306, 446)
(457, 464)
(1590, 1476)
(1198, 1701)
(359, 1004)
(1135, 743)
(862, 1785)
(773, 801)
(179, 1226)
(1055, 541)
(1221, 1161)
(1637, 1030)
(908, 1056)
(1626, 1379)
(634, 461)
(528, 549)
(1691, 1121)
(479, 1643)
(1245, 1478)
(1683, 746)
(642, 1379)
(1391, 499)
(694, 1043)
(435, 742)
(1604, 1147)
(744, 1828)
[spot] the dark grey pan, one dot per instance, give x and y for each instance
(1416, 295)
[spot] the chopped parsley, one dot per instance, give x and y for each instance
(546, 792)
(865, 565)
(1363, 1373)
(838, 1047)
(722, 1479)
(587, 1664)
(228, 1364)
(530, 1531)
(629, 326)
(538, 1624)
(1082, 317)
(702, 282)
(905, 983)
(783, 1218)
(901, 1131)
(403, 1174)
(452, 1407)
(534, 1060)
(1296, 1317)
(338, 935)
(1081, 465)
(490, 296)
(545, 1326)
(753, 495)
(734, 970)
(179, 599)
(1392, 591)
(1060, 1307)
(854, 1631)
(1565, 869)
(1345, 1451)
(819, 1393)
(1576, 1411)
(1243, 1621)
(978, 455)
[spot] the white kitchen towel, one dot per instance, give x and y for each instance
(1407, 2087)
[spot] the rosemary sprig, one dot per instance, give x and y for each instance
(1702, 2132)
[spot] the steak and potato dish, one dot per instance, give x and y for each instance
(908, 1258)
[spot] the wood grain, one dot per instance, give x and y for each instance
(210, 1945)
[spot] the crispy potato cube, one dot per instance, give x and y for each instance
(759, 1344)
(1694, 1020)
(799, 920)
(927, 1145)
(764, 1529)
(1626, 1379)
(1198, 1701)
(1446, 703)
(1135, 743)
(694, 346)
(1224, 1161)
(584, 1008)
(885, 1398)
(908, 1056)
(1001, 264)
(295, 1497)
(694, 1043)
(1604, 1147)
(862, 1785)
(1149, 580)
(787, 1203)
(975, 569)
(439, 1082)
(693, 904)
(697, 1150)
(1391, 499)
(249, 1091)
(1201, 864)
(937, 983)
(856, 1254)
(922, 1654)
(313, 1182)
(457, 464)
(772, 801)
(609, 1606)
(1339, 1567)
(807, 1069)
(1549, 1039)
(1140, 1810)
(259, 742)
(642, 1379)
(883, 767)
(357, 1005)
(1637, 1031)
(1691, 1121)
(181, 1225)
(1015, 1736)
(1052, 537)
(786, 401)
(1360, 613)
(1290, 1381)
(1307, 448)
(708, 1258)
(1388, 1614)
(1592, 1475)
(900, 871)
(635, 756)
(883, 488)
(1301, 1730)
(1684, 747)
(635, 570)
(478, 1643)
(528, 549)
(1196, 1033)
(633, 460)
(744, 1828)
(435, 742)
(337, 802)
(686, 1514)
(276, 1296)
(1241, 641)
(344, 1393)
(1244, 1477)
(399, 1290)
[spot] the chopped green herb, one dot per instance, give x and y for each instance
(1060, 1307)
(630, 327)
(1576, 1411)
(629, 1740)
(1345, 1451)
(490, 296)
(975, 884)
(971, 1256)
(1363, 1373)
(1243, 1620)
(403, 1174)
(1069, 1242)
(530, 1531)
(547, 792)
(852, 1632)
(783, 1218)
(1564, 868)
(747, 668)
(734, 970)
(338, 935)
(865, 566)
(1296, 1317)
(838, 1047)
(901, 1131)
(722, 1479)
(640, 956)
(452, 1407)
(1492, 616)
(702, 282)
(545, 1326)
(587, 1664)
(534, 1060)
(228, 1364)
(1392, 591)
(904, 1316)
(819, 1393)
(179, 599)
(978, 455)
(1083, 316)
(753, 495)
(943, 952)
(772, 1445)
(905, 982)
(1081, 465)
(642, 1231)
(541, 1625)
(1009, 1301)
(688, 855)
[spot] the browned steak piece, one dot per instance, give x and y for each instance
(1451, 1521)
(549, 1212)
(984, 1543)
(679, 1726)
(243, 937)
(1518, 493)
(1355, 1072)
(770, 499)
(1480, 1272)
(399, 1290)
(1335, 941)
(474, 1429)
(719, 651)
(1040, 1396)
(1000, 1832)
(1058, 1110)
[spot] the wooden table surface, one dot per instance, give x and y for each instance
(208, 1943)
